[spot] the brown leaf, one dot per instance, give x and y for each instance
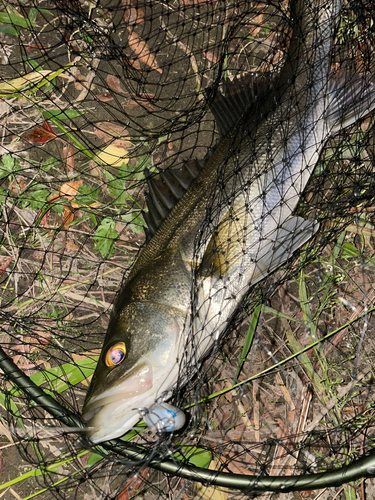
(210, 56)
(71, 246)
(115, 84)
(108, 130)
(142, 51)
(133, 16)
(104, 97)
(131, 104)
(40, 135)
(68, 217)
(70, 189)
(254, 28)
(17, 185)
(68, 154)
(132, 487)
(44, 221)
(4, 264)
(135, 63)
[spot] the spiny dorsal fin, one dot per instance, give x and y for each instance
(165, 189)
(239, 95)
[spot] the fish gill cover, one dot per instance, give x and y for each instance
(205, 169)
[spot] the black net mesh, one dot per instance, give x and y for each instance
(96, 98)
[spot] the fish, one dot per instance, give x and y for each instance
(218, 226)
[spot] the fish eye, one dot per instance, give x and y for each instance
(115, 354)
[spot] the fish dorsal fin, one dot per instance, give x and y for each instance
(166, 189)
(240, 94)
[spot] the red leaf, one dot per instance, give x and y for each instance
(4, 264)
(40, 135)
(132, 487)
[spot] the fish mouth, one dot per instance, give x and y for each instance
(116, 410)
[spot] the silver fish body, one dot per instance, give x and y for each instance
(264, 163)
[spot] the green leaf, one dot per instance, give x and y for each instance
(35, 198)
(135, 221)
(94, 458)
(11, 164)
(8, 30)
(249, 338)
(14, 19)
(49, 163)
(32, 14)
(349, 251)
(74, 373)
(195, 456)
(104, 238)
(86, 195)
(59, 114)
(34, 64)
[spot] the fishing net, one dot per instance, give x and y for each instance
(96, 98)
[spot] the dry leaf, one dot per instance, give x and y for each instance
(115, 154)
(44, 221)
(132, 487)
(108, 130)
(40, 135)
(254, 30)
(133, 16)
(210, 56)
(70, 189)
(23, 82)
(68, 217)
(131, 104)
(135, 63)
(68, 154)
(4, 264)
(71, 246)
(142, 51)
(115, 84)
(104, 97)
(211, 492)
(17, 185)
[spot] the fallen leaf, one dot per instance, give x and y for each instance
(108, 130)
(115, 154)
(142, 51)
(23, 363)
(44, 221)
(42, 338)
(70, 189)
(211, 492)
(131, 104)
(17, 185)
(71, 246)
(22, 82)
(115, 84)
(68, 154)
(210, 56)
(68, 217)
(135, 63)
(133, 16)
(255, 27)
(132, 487)
(34, 46)
(4, 264)
(40, 135)
(104, 97)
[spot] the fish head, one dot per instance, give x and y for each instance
(139, 361)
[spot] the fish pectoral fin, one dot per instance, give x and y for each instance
(285, 241)
(350, 99)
